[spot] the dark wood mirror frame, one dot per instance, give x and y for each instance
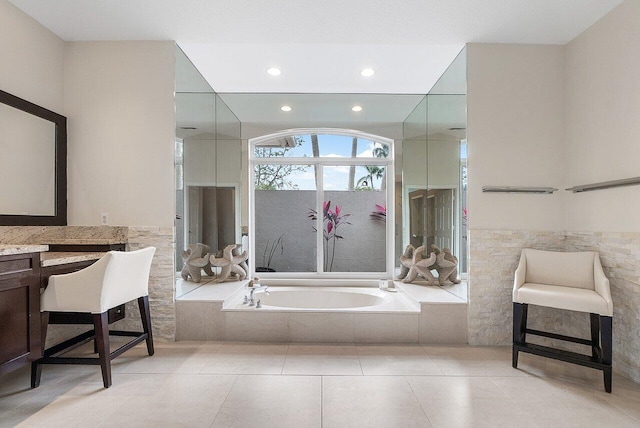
(60, 216)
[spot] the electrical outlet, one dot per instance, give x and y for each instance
(105, 218)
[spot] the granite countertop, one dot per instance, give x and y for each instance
(88, 241)
(8, 249)
(60, 258)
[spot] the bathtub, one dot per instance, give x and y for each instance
(325, 299)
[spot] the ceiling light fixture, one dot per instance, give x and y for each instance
(356, 108)
(368, 72)
(285, 108)
(274, 71)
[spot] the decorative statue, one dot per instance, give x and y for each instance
(236, 253)
(446, 265)
(231, 263)
(196, 258)
(413, 264)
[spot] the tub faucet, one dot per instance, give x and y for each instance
(259, 289)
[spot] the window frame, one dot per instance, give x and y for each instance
(388, 163)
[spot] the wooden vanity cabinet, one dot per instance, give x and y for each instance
(21, 278)
(19, 310)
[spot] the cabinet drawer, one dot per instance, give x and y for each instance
(15, 265)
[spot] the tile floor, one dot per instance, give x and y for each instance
(209, 384)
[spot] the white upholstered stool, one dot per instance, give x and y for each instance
(115, 279)
(573, 281)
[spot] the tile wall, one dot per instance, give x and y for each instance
(494, 256)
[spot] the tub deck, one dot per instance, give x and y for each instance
(416, 314)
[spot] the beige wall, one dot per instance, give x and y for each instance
(570, 116)
(32, 59)
(516, 134)
(31, 67)
(603, 121)
(119, 98)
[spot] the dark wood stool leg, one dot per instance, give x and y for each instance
(145, 314)
(101, 325)
(595, 335)
(519, 326)
(606, 327)
(36, 369)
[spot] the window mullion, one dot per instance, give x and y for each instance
(320, 218)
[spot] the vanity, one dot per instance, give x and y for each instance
(24, 271)
(35, 240)
(20, 341)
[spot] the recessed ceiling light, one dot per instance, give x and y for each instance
(368, 72)
(285, 108)
(356, 108)
(274, 71)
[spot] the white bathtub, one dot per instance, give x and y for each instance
(325, 299)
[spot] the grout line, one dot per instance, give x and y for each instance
(225, 400)
(359, 360)
(415, 396)
(321, 401)
(285, 360)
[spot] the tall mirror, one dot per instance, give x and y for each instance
(433, 181)
(208, 165)
(33, 172)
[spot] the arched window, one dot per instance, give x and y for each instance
(318, 204)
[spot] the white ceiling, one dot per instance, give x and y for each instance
(320, 45)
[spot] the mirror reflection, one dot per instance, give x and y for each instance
(27, 143)
(213, 155)
(33, 164)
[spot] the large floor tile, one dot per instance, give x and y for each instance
(454, 389)
(396, 360)
(322, 360)
(547, 368)
(479, 412)
(179, 400)
(560, 415)
(272, 401)
(625, 396)
(457, 401)
(473, 361)
(165, 360)
(247, 358)
(173, 388)
(75, 411)
(380, 401)
(124, 385)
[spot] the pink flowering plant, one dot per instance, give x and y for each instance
(332, 220)
(380, 213)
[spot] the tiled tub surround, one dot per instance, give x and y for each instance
(494, 256)
(415, 314)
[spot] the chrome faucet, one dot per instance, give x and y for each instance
(253, 290)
